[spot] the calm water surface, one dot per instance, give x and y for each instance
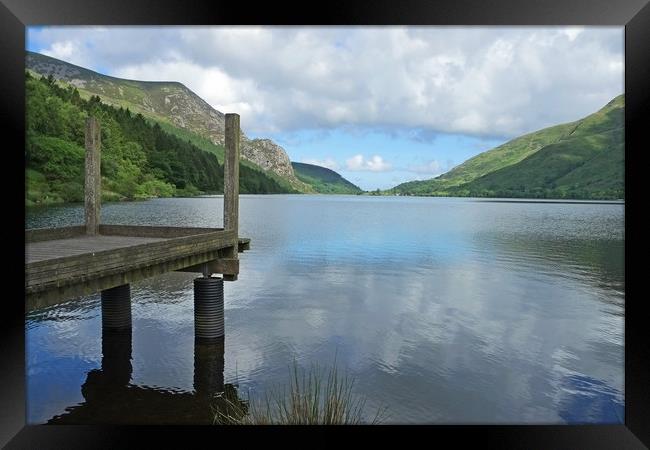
(443, 310)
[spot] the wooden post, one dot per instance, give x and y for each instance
(93, 182)
(231, 174)
(231, 184)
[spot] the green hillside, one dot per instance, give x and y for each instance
(174, 107)
(323, 180)
(139, 159)
(166, 101)
(582, 160)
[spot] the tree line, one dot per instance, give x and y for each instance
(139, 159)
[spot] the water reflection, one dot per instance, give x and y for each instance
(599, 260)
(110, 398)
(446, 310)
(592, 400)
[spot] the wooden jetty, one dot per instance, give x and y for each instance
(63, 263)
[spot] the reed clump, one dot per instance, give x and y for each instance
(314, 397)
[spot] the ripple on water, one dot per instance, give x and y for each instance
(443, 310)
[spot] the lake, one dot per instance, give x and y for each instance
(442, 310)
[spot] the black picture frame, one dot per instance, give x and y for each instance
(16, 14)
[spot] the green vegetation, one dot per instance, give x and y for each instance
(171, 105)
(323, 180)
(140, 159)
(152, 99)
(579, 160)
(314, 398)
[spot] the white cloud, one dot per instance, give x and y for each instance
(497, 81)
(327, 162)
(375, 164)
(573, 32)
(65, 50)
(220, 90)
(432, 167)
(355, 163)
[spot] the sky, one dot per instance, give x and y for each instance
(380, 105)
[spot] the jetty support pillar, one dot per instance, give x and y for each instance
(208, 309)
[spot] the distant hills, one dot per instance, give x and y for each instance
(180, 112)
(323, 180)
(581, 160)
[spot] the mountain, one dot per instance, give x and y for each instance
(140, 159)
(323, 180)
(166, 102)
(583, 159)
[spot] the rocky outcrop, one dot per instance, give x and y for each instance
(268, 155)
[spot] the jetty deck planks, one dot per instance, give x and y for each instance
(72, 263)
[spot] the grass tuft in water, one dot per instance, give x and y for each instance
(315, 397)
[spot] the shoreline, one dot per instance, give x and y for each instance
(475, 199)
